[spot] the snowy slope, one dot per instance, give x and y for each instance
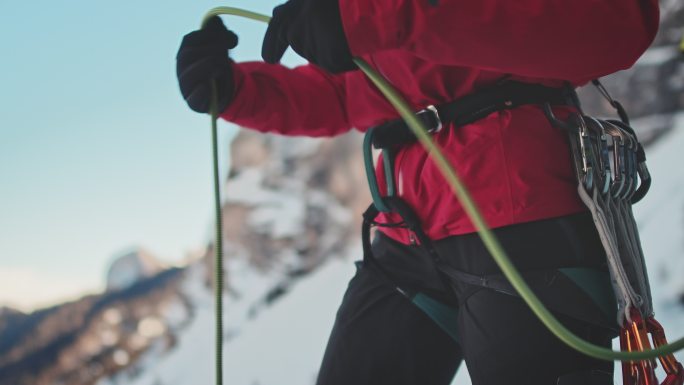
(660, 217)
(284, 344)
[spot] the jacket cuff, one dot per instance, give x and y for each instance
(232, 112)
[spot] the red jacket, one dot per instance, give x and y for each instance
(516, 165)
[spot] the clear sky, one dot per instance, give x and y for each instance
(98, 151)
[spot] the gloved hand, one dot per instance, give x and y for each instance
(313, 28)
(202, 59)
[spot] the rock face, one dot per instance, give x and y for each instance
(293, 201)
(130, 268)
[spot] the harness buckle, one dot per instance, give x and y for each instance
(430, 115)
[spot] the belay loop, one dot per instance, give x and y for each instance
(612, 175)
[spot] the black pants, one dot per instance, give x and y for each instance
(380, 337)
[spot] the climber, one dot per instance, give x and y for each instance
(477, 72)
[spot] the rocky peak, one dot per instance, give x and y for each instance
(130, 268)
(292, 201)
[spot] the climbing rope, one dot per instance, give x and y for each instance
(218, 243)
(488, 238)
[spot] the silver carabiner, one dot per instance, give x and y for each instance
(585, 151)
(618, 164)
(600, 143)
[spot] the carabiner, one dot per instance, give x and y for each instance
(673, 369)
(370, 172)
(600, 142)
(588, 158)
(642, 174)
(634, 337)
(618, 164)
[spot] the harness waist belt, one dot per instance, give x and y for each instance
(471, 108)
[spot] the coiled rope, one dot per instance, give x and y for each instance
(488, 238)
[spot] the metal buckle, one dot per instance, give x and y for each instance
(437, 126)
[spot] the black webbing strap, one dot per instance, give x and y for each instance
(369, 259)
(412, 222)
(446, 272)
(496, 282)
(472, 107)
(550, 284)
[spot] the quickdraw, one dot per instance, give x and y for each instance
(612, 175)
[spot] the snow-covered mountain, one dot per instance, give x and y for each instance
(130, 268)
(93, 337)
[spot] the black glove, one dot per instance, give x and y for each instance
(313, 28)
(202, 59)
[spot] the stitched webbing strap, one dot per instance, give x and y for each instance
(473, 107)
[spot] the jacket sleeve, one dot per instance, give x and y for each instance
(556, 39)
(274, 98)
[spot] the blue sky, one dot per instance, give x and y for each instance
(99, 153)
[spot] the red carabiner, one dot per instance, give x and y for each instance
(634, 337)
(673, 369)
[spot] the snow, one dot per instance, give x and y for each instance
(658, 55)
(278, 213)
(286, 147)
(130, 268)
(283, 344)
(660, 217)
(286, 344)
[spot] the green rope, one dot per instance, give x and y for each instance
(235, 12)
(218, 235)
(218, 244)
(489, 239)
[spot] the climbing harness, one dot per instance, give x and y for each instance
(638, 348)
(389, 137)
(492, 244)
(612, 174)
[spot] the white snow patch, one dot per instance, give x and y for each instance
(279, 213)
(284, 345)
(661, 225)
(280, 219)
(658, 55)
(299, 147)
